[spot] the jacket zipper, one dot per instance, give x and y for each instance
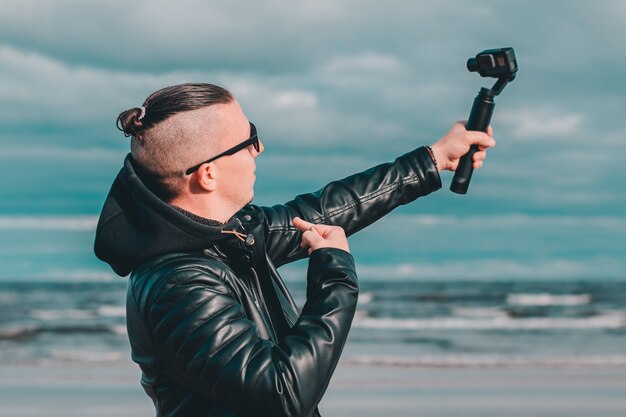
(256, 289)
(260, 303)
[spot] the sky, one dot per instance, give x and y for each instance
(334, 87)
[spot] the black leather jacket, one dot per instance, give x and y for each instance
(211, 324)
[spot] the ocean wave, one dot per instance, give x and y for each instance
(119, 329)
(459, 361)
(479, 312)
(548, 299)
(508, 220)
(85, 356)
(492, 269)
(65, 276)
(20, 333)
(611, 320)
(366, 297)
(112, 311)
(74, 314)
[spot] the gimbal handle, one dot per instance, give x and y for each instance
(479, 120)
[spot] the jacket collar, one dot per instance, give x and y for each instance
(135, 225)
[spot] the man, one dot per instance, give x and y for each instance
(211, 324)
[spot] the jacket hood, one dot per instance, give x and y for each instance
(135, 225)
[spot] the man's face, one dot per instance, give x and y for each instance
(236, 172)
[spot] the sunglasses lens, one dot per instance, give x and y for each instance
(253, 134)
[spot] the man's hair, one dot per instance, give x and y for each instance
(164, 146)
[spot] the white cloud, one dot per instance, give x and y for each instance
(295, 99)
(38, 88)
(372, 63)
(337, 74)
(272, 35)
(541, 123)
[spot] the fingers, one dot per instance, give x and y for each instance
(316, 236)
(310, 235)
(311, 239)
(302, 225)
(480, 139)
(479, 156)
(322, 229)
(464, 124)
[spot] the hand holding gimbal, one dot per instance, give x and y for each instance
(496, 63)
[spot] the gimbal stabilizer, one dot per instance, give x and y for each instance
(496, 63)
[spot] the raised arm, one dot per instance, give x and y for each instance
(352, 203)
(359, 200)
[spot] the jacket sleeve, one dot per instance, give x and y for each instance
(203, 337)
(352, 203)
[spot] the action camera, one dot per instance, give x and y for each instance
(496, 63)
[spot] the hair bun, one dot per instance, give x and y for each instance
(130, 122)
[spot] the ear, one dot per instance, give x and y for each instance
(206, 177)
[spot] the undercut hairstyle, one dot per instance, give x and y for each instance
(168, 135)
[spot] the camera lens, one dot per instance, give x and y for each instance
(472, 65)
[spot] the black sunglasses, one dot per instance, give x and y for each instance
(252, 140)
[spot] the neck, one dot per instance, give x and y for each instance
(206, 207)
(199, 219)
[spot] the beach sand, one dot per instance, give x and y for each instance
(356, 390)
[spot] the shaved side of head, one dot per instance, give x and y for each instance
(167, 149)
(173, 130)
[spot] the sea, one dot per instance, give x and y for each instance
(436, 290)
(398, 323)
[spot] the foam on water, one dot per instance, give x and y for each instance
(414, 324)
(73, 223)
(86, 356)
(488, 361)
(611, 320)
(480, 312)
(112, 311)
(50, 315)
(548, 299)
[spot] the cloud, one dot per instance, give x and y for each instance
(299, 99)
(38, 89)
(333, 78)
(41, 90)
(271, 36)
(541, 123)
(365, 64)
